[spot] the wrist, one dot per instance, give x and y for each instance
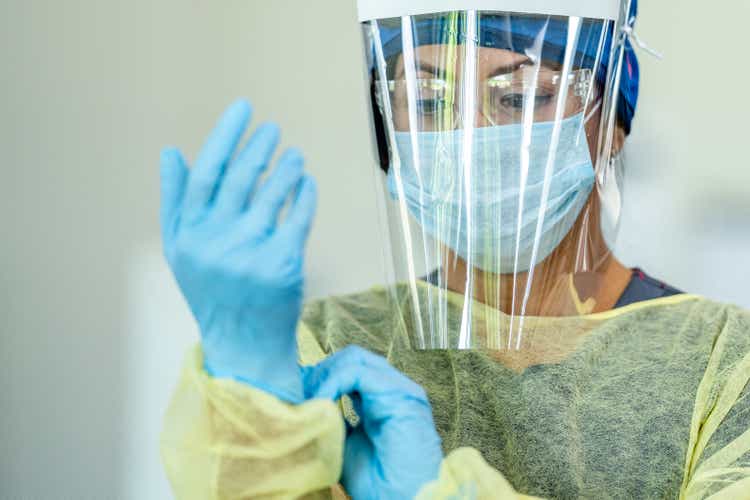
(290, 391)
(254, 347)
(285, 382)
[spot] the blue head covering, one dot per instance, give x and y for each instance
(518, 33)
(631, 76)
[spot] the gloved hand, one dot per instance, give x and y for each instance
(395, 450)
(239, 267)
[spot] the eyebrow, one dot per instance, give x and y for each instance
(428, 67)
(422, 66)
(509, 68)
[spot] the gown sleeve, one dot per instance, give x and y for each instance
(224, 439)
(464, 475)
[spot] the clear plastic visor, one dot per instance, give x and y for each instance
(490, 127)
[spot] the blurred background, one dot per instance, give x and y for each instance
(93, 327)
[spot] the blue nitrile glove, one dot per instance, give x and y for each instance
(395, 450)
(238, 266)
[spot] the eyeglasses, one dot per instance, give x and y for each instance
(502, 99)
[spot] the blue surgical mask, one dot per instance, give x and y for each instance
(473, 207)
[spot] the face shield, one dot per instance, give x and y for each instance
(498, 176)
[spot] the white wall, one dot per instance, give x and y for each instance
(687, 205)
(93, 328)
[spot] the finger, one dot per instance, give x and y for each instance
(358, 459)
(357, 370)
(327, 379)
(242, 174)
(369, 381)
(265, 207)
(316, 376)
(214, 156)
(174, 174)
(296, 228)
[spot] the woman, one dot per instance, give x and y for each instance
(514, 341)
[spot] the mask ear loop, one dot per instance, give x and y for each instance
(593, 111)
(588, 116)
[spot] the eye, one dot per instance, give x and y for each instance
(517, 101)
(429, 106)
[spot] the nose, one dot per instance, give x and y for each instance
(479, 117)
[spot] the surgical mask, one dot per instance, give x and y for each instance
(509, 206)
